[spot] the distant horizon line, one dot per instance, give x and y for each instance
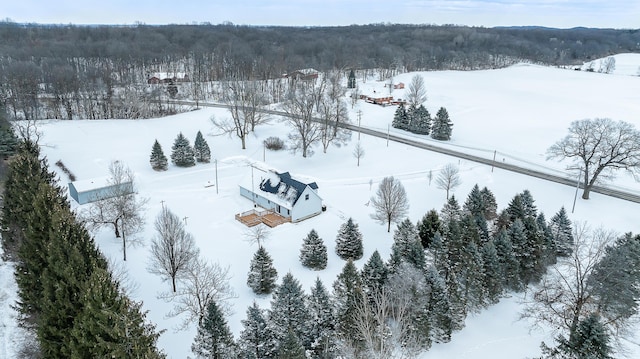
(228, 23)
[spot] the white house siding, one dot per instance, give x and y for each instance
(83, 193)
(305, 208)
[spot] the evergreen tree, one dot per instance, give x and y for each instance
(427, 227)
(47, 202)
(291, 347)
(322, 322)
(412, 120)
(590, 341)
(289, 312)
(257, 340)
(214, 339)
(347, 292)
(8, 140)
(515, 209)
(615, 281)
(562, 233)
(473, 278)
(439, 308)
(351, 80)
(26, 172)
(71, 259)
(406, 246)
(474, 204)
(313, 253)
(158, 160)
(262, 274)
(535, 250)
(549, 245)
(490, 204)
(110, 325)
(528, 203)
(493, 272)
(400, 118)
(442, 126)
(201, 149)
(182, 153)
(509, 265)
(421, 124)
(451, 210)
(374, 274)
(349, 241)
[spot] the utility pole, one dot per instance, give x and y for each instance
(575, 197)
(388, 130)
(494, 160)
(216, 163)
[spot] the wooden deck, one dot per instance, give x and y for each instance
(254, 217)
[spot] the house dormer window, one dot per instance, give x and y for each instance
(306, 197)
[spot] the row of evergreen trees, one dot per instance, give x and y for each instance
(182, 154)
(418, 120)
(450, 263)
(263, 276)
(68, 295)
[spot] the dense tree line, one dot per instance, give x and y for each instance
(452, 262)
(68, 295)
(69, 71)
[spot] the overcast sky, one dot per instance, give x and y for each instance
(488, 13)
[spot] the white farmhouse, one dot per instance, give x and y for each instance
(286, 196)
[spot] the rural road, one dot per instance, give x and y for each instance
(430, 147)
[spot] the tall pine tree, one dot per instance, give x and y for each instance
(349, 241)
(347, 292)
(321, 322)
(262, 274)
(427, 227)
(182, 153)
(442, 126)
(201, 149)
(562, 233)
(313, 253)
(401, 118)
(289, 312)
(257, 340)
(158, 160)
(214, 339)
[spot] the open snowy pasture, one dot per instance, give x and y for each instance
(518, 112)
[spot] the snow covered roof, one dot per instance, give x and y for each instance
(169, 75)
(91, 184)
(284, 186)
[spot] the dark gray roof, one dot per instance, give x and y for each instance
(285, 186)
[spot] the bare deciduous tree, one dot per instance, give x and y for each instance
(118, 206)
(333, 111)
(390, 202)
(257, 234)
(564, 297)
(173, 249)
(599, 147)
(383, 323)
(301, 104)
(245, 100)
(358, 152)
(416, 92)
(203, 282)
(448, 178)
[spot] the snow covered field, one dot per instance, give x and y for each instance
(518, 112)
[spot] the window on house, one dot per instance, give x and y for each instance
(306, 197)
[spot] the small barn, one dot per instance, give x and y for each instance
(96, 189)
(286, 196)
